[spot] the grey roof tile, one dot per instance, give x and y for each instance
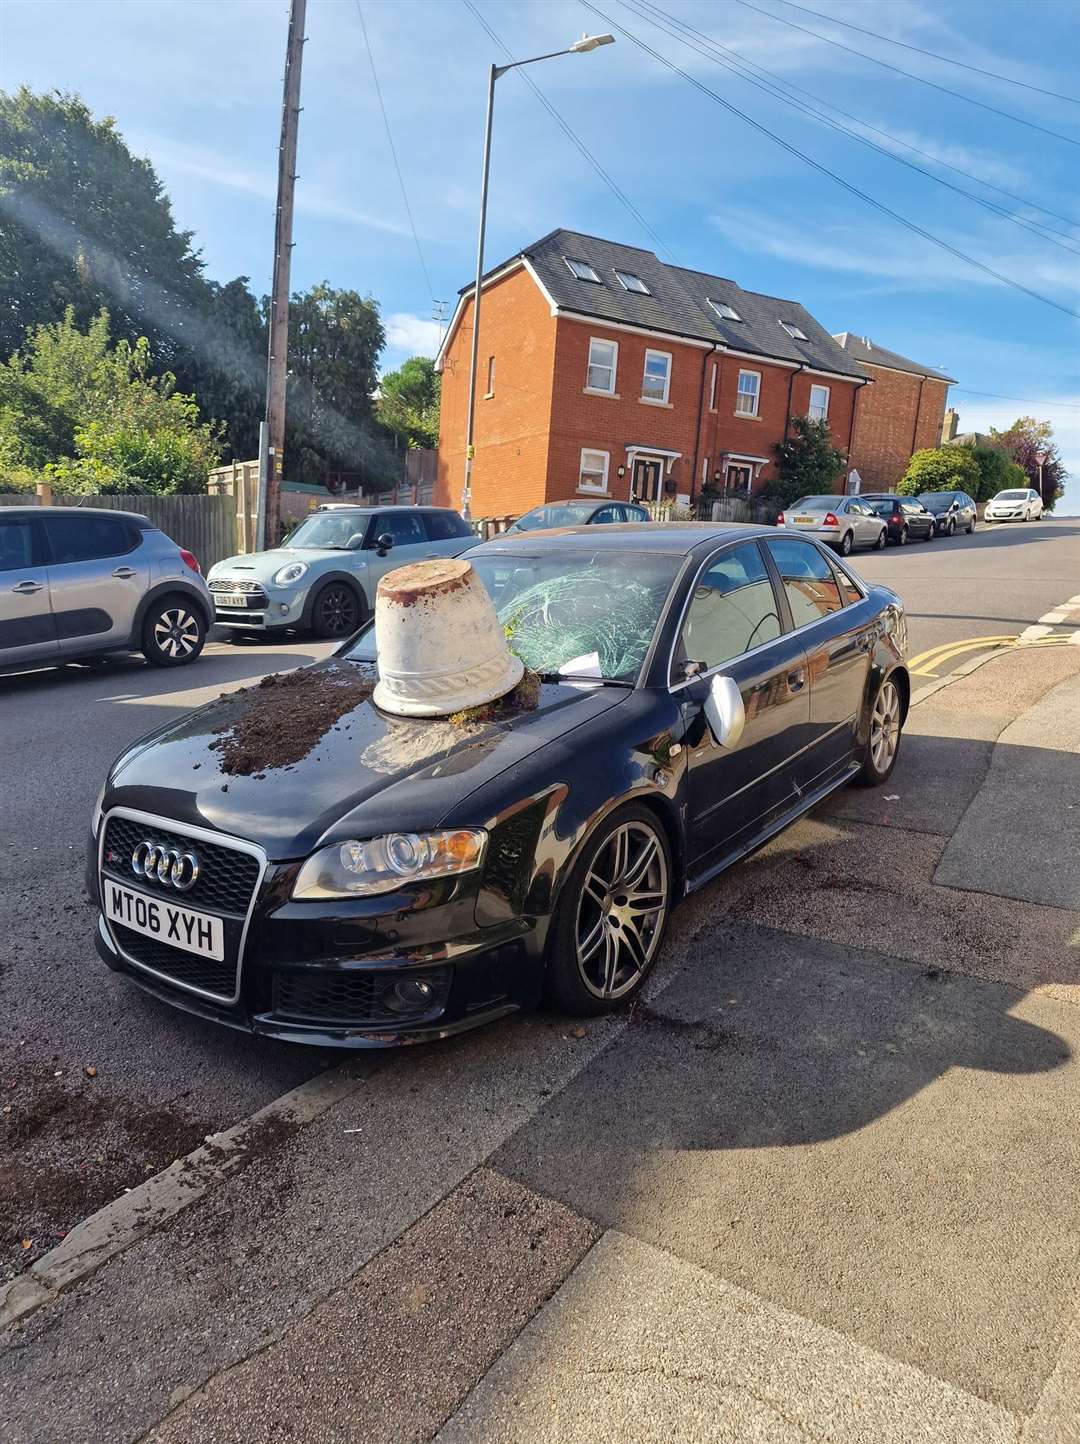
(861, 348)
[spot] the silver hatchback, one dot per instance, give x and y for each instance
(843, 522)
(77, 582)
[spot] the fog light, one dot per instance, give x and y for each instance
(283, 608)
(408, 995)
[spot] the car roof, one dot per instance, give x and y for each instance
(677, 538)
(594, 501)
(885, 496)
(45, 511)
(368, 510)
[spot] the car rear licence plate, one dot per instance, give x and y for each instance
(806, 521)
(230, 599)
(184, 928)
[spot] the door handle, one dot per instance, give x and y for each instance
(124, 572)
(796, 680)
(27, 589)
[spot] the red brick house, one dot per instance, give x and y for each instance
(902, 412)
(603, 371)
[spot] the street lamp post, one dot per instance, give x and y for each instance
(1040, 462)
(579, 47)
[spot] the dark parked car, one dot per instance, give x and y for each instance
(952, 511)
(577, 512)
(701, 687)
(79, 582)
(905, 517)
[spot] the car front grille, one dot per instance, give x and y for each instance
(255, 596)
(354, 998)
(204, 974)
(226, 878)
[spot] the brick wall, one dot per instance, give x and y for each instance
(510, 466)
(900, 413)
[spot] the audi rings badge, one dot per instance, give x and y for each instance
(168, 865)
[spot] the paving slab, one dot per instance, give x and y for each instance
(640, 1345)
(889, 1150)
(1020, 837)
(388, 1357)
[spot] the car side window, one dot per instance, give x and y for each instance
(636, 513)
(403, 526)
(606, 513)
(849, 592)
(809, 581)
(88, 538)
(445, 526)
(733, 608)
(17, 544)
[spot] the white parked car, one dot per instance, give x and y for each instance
(1021, 504)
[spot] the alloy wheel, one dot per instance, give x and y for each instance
(952, 527)
(885, 727)
(621, 911)
(338, 612)
(902, 539)
(845, 544)
(176, 633)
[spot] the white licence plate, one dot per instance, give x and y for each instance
(230, 599)
(184, 928)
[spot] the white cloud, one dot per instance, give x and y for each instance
(412, 335)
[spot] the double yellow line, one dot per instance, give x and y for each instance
(924, 663)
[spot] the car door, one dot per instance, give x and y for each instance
(448, 533)
(410, 543)
(835, 625)
(734, 625)
(98, 575)
(27, 625)
(864, 525)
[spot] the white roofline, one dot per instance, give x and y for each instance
(440, 355)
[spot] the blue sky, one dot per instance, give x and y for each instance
(195, 85)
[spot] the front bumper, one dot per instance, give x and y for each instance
(264, 610)
(1004, 515)
(320, 972)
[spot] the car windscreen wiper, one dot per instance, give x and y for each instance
(583, 677)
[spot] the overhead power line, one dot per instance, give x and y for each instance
(394, 155)
(737, 67)
(752, 65)
(909, 75)
(1022, 400)
(824, 170)
(918, 50)
(572, 135)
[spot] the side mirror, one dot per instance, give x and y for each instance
(724, 710)
(383, 543)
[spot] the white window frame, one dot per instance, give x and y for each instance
(601, 490)
(822, 407)
(602, 365)
(725, 311)
(712, 388)
(490, 378)
(624, 276)
(705, 472)
(656, 400)
(593, 278)
(740, 393)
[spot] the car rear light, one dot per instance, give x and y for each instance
(894, 520)
(191, 560)
(830, 519)
(780, 519)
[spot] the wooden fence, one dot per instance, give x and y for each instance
(205, 525)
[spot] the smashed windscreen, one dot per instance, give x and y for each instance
(575, 614)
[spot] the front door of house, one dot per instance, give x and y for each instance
(647, 483)
(737, 478)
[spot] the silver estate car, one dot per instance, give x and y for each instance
(322, 578)
(842, 522)
(77, 582)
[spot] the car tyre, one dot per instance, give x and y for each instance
(336, 611)
(611, 915)
(882, 541)
(902, 539)
(931, 532)
(883, 729)
(173, 632)
(846, 543)
(971, 527)
(952, 526)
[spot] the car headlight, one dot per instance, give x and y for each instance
(359, 869)
(95, 816)
(291, 573)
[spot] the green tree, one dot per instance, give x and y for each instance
(807, 462)
(1026, 441)
(940, 468)
(409, 402)
(996, 472)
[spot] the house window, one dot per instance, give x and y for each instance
(712, 389)
(793, 331)
(582, 270)
(746, 398)
(819, 403)
(592, 475)
(603, 360)
(705, 472)
(656, 380)
(490, 378)
(630, 282)
(724, 311)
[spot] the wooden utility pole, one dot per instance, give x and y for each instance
(278, 353)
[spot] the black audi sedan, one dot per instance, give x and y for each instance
(293, 861)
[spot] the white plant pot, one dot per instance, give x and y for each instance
(440, 645)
